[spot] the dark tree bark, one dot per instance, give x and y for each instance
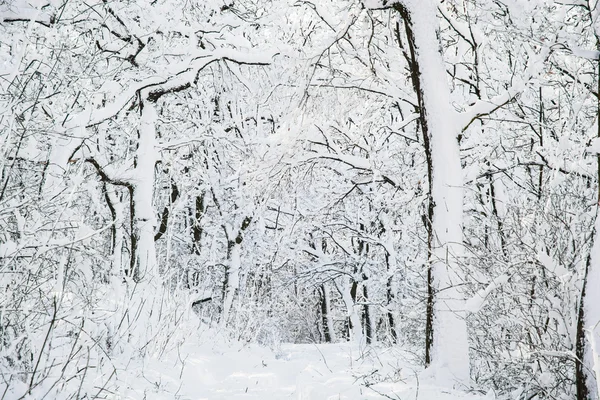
(324, 314)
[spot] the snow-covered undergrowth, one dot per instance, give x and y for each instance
(199, 363)
(225, 370)
(142, 344)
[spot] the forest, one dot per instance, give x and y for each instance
(190, 186)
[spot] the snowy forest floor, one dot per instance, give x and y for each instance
(227, 371)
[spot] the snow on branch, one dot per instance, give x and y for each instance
(350, 160)
(189, 77)
(473, 37)
(183, 77)
(593, 55)
(26, 11)
(475, 303)
(106, 175)
(488, 106)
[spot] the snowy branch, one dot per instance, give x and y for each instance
(22, 11)
(486, 107)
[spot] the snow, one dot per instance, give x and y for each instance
(7, 249)
(466, 31)
(594, 146)
(244, 129)
(353, 161)
(588, 54)
(480, 108)
(202, 364)
(228, 371)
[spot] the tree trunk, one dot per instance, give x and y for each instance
(446, 344)
(348, 292)
(588, 316)
(232, 278)
(231, 284)
(143, 261)
(588, 323)
(117, 211)
(328, 331)
(197, 226)
(391, 270)
(367, 316)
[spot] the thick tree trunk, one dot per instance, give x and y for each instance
(587, 366)
(447, 343)
(588, 324)
(143, 219)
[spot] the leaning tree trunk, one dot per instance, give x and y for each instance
(446, 337)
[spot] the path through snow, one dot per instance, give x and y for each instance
(301, 372)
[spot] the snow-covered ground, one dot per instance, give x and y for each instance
(190, 361)
(225, 371)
